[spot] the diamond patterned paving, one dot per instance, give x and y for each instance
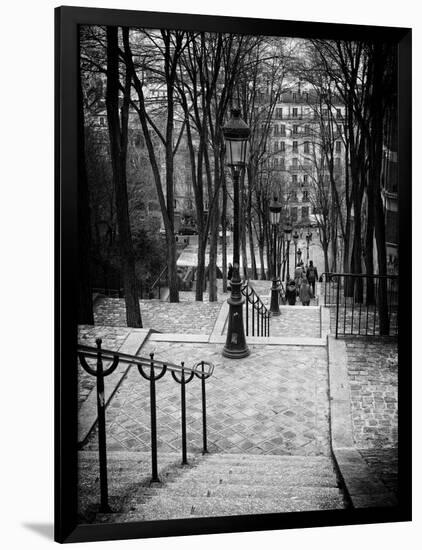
(185, 316)
(272, 402)
(112, 339)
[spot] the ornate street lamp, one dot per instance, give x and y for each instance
(287, 237)
(275, 214)
(296, 240)
(308, 240)
(236, 134)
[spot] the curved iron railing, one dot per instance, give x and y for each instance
(257, 320)
(147, 368)
(365, 305)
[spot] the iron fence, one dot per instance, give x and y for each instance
(361, 304)
(151, 370)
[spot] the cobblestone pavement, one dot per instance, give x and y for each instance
(358, 320)
(303, 322)
(186, 316)
(112, 339)
(384, 464)
(372, 370)
(272, 402)
(299, 321)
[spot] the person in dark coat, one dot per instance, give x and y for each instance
(312, 275)
(291, 293)
(305, 292)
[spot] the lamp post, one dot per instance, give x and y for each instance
(287, 237)
(308, 240)
(275, 213)
(296, 240)
(236, 134)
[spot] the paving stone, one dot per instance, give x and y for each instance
(373, 364)
(252, 381)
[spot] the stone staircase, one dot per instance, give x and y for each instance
(211, 485)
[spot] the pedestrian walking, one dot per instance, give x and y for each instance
(291, 293)
(312, 275)
(305, 292)
(299, 271)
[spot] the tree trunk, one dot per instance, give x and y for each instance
(212, 266)
(200, 270)
(224, 229)
(118, 150)
(85, 313)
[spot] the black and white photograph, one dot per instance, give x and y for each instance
(237, 284)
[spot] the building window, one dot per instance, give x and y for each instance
(305, 179)
(279, 112)
(295, 147)
(305, 212)
(307, 130)
(337, 162)
(339, 115)
(275, 146)
(276, 129)
(275, 162)
(305, 196)
(294, 179)
(282, 146)
(295, 163)
(294, 113)
(293, 213)
(282, 130)
(306, 147)
(102, 121)
(175, 204)
(295, 129)
(282, 166)
(338, 146)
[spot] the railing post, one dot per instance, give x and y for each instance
(247, 311)
(183, 405)
(153, 410)
(337, 304)
(204, 413)
(102, 443)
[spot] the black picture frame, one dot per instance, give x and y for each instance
(67, 20)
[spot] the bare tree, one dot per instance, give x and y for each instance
(118, 134)
(167, 47)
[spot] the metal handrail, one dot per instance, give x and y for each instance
(259, 311)
(158, 280)
(181, 374)
(108, 355)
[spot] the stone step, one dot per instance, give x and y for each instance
(166, 507)
(269, 478)
(248, 458)
(213, 485)
(238, 488)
